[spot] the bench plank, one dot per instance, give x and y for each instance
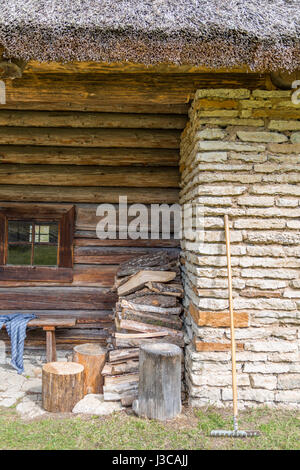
(55, 322)
(49, 325)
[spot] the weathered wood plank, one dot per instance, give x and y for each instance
(107, 255)
(90, 241)
(57, 322)
(83, 317)
(53, 175)
(124, 67)
(95, 91)
(56, 299)
(87, 219)
(91, 120)
(88, 156)
(139, 138)
(43, 273)
(86, 275)
(97, 195)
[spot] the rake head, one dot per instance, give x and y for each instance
(222, 433)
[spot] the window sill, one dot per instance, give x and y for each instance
(36, 273)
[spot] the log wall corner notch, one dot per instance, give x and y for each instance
(11, 68)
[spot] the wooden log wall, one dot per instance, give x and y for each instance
(84, 135)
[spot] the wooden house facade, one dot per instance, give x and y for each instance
(76, 136)
(196, 114)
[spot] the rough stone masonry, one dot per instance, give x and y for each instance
(240, 155)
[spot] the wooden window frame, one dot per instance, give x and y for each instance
(65, 216)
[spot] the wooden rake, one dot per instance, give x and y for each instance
(235, 432)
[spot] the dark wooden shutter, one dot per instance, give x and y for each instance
(66, 239)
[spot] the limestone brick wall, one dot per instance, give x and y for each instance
(240, 155)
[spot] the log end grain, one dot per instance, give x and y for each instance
(63, 368)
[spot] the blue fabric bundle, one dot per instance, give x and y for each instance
(16, 328)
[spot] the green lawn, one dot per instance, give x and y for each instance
(279, 430)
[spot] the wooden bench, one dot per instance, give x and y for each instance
(49, 325)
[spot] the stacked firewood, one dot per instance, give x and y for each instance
(148, 310)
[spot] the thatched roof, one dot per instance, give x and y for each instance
(263, 34)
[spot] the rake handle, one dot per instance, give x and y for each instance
(232, 332)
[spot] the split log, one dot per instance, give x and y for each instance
(139, 335)
(166, 289)
(92, 357)
(136, 342)
(121, 368)
(157, 260)
(118, 387)
(136, 326)
(141, 278)
(154, 300)
(168, 321)
(120, 379)
(120, 392)
(138, 293)
(151, 308)
(159, 394)
(62, 386)
(120, 355)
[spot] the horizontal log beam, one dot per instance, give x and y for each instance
(88, 156)
(82, 316)
(97, 195)
(126, 67)
(56, 175)
(126, 243)
(91, 120)
(140, 138)
(56, 299)
(91, 275)
(87, 219)
(113, 255)
(98, 92)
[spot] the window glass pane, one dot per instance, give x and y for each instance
(46, 233)
(19, 231)
(45, 255)
(19, 255)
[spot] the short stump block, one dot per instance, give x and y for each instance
(92, 356)
(62, 386)
(159, 381)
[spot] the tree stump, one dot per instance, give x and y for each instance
(159, 381)
(92, 357)
(62, 386)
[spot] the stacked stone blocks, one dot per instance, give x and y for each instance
(240, 155)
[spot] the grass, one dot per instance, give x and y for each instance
(279, 430)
